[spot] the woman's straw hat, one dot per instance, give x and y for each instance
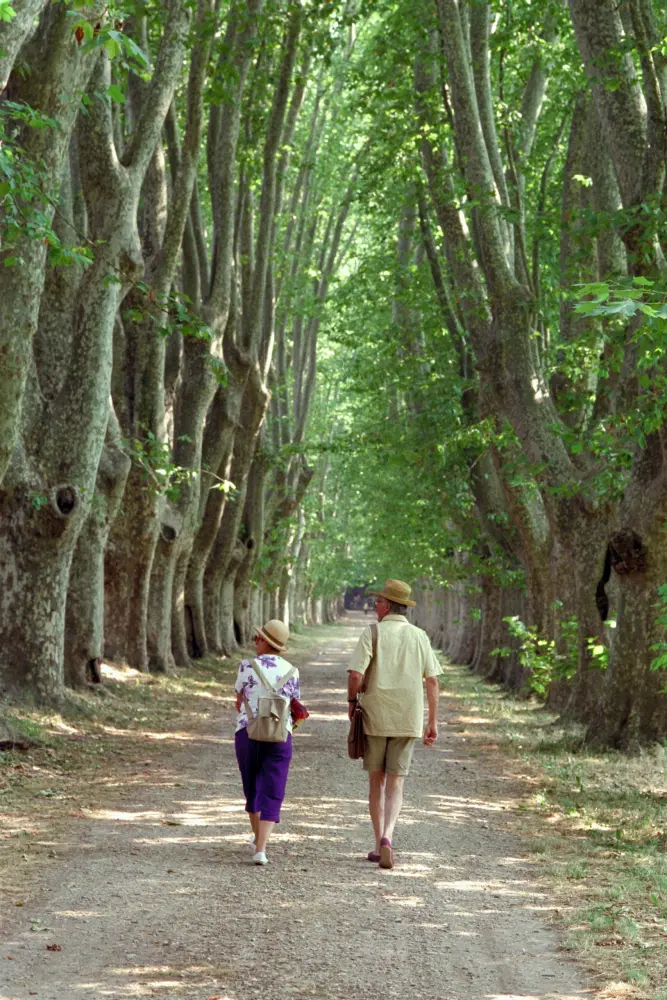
(276, 634)
(396, 591)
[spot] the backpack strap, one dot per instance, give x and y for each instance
(286, 677)
(265, 683)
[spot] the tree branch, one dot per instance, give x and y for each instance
(618, 96)
(14, 33)
(159, 92)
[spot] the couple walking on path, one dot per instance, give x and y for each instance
(392, 695)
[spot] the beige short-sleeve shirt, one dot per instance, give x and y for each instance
(394, 702)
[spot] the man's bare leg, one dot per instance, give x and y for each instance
(393, 800)
(376, 804)
(254, 823)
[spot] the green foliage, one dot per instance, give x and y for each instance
(659, 662)
(643, 302)
(106, 33)
(7, 12)
(27, 209)
(154, 458)
(544, 660)
(173, 313)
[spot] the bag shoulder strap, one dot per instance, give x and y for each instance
(374, 650)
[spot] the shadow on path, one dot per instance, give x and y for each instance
(157, 896)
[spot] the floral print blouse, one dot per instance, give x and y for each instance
(248, 683)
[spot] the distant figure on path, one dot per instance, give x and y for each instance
(393, 707)
(264, 766)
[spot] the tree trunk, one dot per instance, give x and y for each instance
(217, 453)
(229, 638)
(633, 706)
(255, 402)
(84, 620)
(127, 572)
(492, 629)
(158, 630)
(36, 548)
(253, 540)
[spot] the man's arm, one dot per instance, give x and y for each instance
(354, 682)
(432, 695)
(359, 660)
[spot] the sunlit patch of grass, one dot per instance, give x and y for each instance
(598, 823)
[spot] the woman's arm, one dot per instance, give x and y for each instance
(243, 672)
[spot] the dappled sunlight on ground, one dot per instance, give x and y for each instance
(172, 737)
(156, 894)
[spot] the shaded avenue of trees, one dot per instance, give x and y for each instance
(298, 293)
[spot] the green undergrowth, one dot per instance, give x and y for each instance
(598, 823)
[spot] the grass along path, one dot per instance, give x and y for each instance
(123, 844)
(595, 825)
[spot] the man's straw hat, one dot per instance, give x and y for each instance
(276, 634)
(396, 591)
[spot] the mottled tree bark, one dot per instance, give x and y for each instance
(84, 620)
(50, 482)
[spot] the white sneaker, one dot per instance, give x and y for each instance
(251, 844)
(260, 858)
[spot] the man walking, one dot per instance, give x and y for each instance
(393, 706)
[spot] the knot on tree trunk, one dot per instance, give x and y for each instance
(168, 533)
(627, 553)
(64, 499)
(170, 525)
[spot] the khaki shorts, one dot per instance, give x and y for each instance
(391, 754)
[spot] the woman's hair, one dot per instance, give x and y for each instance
(396, 609)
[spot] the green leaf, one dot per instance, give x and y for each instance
(113, 49)
(114, 91)
(7, 12)
(626, 308)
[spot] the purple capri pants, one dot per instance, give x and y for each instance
(264, 768)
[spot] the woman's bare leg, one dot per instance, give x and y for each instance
(263, 834)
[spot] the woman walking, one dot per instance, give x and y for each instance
(264, 766)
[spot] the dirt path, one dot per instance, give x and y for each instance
(157, 896)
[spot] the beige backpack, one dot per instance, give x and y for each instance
(270, 725)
